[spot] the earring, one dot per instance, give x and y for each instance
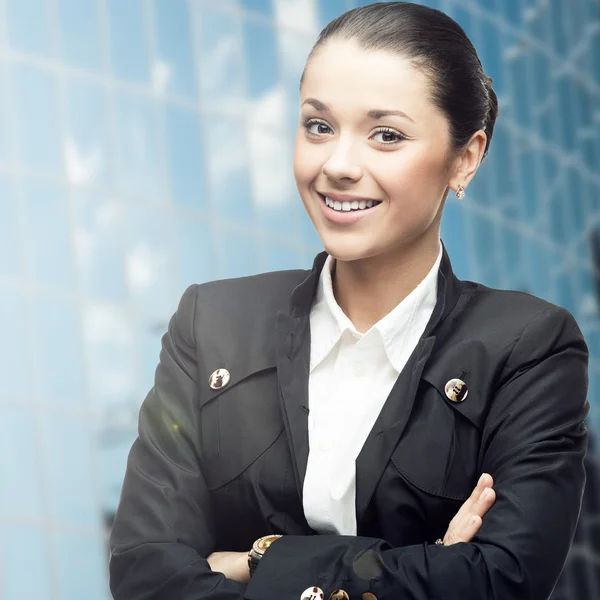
(460, 192)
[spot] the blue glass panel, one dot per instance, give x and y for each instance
(185, 157)
(280, 257)
(329, 10)
(565, 292)
(565, 110)
(20, 470)
(58, 352)
(521, 96)
(264, 7)
(79, 35)
(238, 253)
(15, 368)
(87, 145)
(98, 240)
(25, 563)
(228, 156)
(128, 42)
(576, 206)
(260, 49)
(175, 71)
(5, 133)
(110, 356)
(196, 253)
(221, 60)
(540, 261)
(464, 18)
(37, 116)
(491, 53)
(512, 256)
(485, 248)
(11, 260)
(559, 33)
(528, 170)
(511, 10)
(148, 254)
(454, 236)
(69, 467)
(28, 26)
(503, 162)
(139, 147)
(81, 561)
(47, 233)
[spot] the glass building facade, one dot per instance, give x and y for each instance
(146, 145)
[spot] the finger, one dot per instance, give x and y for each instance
(466, 510)
(465, 534)
(485, 502)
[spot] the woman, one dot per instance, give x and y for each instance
(350, 410)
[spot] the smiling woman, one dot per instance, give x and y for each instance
(372, 428)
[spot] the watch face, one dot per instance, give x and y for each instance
(265, 542)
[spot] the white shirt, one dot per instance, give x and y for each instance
(351, 376)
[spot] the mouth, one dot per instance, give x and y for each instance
(356, 205)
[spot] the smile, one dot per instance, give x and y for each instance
(347, 206)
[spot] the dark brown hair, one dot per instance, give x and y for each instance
(434, 42)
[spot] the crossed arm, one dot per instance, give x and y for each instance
(534, 442)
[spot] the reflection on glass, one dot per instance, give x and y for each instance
(15, 367)
(86, 142)
(35, 104)
(139, 147)
(260, 50)
(221, 59)
(79, 33)
(5, 133)
(195, 252)
(238, 254)
(174, 70)
(98, 246)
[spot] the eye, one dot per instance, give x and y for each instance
(387, 136)
(316, 127)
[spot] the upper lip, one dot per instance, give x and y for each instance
(346, 197)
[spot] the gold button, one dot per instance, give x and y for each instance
(219, 379)
(312, 593)
(339, 595)
(456, 390)
(368, 596)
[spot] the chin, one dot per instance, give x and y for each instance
(348, 251)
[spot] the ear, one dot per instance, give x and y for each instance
(468, 160)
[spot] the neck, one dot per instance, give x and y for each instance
(370, 288)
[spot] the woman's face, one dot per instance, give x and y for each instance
(369, 134)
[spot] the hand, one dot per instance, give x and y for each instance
(234, 565)
(468, 519)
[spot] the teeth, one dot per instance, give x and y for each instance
(348, 206)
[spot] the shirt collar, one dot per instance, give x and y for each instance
(329, 322)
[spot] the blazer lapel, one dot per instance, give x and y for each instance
(392, 420)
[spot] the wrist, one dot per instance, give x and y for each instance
(258, 550)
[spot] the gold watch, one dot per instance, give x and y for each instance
(259, 547)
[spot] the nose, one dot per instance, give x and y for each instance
(342, 165)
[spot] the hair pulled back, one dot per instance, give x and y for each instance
(434, 42)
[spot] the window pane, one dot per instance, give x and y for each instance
(28, 26)
(5, 133)
(25, 563)
(36, 112)
(79, 35)
(99, 246)
(47, 231)
(174, 71)
(15, 368)
(238, 253)
(69, 467)
(196, 252)
(81, 566)
(19, 465)
(11, 265)
(185, 157)
(139, 147)
(264, 7)
(260, 50)
(221, 59)
(58, 352)
(87, 153)
(128, 43)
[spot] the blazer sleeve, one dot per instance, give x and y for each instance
(163, 529)
(533, 443)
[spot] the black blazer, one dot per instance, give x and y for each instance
(216, 469)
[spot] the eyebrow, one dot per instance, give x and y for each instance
(375, 113)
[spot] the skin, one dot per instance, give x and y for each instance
(406, 162)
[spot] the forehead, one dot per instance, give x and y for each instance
(343, 73)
